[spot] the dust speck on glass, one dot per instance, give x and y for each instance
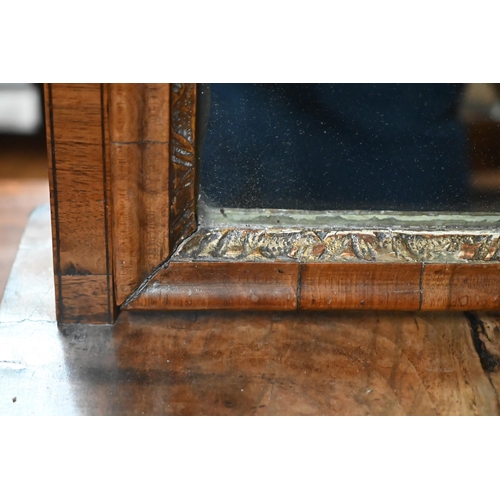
(349, 147)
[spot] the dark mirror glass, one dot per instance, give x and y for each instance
(347, 147)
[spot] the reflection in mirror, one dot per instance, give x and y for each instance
(350, 147)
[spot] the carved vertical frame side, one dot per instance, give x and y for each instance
(183, 187)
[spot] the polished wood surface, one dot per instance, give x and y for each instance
(152, 133)
(140, 149)
(77, 135)
(361, 286)
(220, 285)
(237, 363)
(462, 287)
(182, 285)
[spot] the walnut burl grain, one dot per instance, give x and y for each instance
(256, 363)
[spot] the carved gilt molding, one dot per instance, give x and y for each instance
(323, 245)
(182, 161)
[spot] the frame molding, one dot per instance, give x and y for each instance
(158, 258)
(327, 245)
(152, 176)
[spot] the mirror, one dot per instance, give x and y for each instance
(349, 148)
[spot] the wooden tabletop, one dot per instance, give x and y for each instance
(239, 363)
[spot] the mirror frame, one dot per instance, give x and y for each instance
(123, 198)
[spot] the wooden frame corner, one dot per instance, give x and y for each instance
(123, 193)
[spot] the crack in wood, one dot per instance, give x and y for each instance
(421, 286)
(489, 362)
(299, 286)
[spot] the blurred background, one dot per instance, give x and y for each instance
(23, 165)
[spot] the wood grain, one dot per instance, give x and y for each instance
(360, 286)
(322, 363)
(79, 188)
(461, 287)
(123, 192)
(184, 285)
(83, 299)
(237, 363)
(140, 149)
(485, 331)
(321, 286)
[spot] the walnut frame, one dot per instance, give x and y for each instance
(123, 199)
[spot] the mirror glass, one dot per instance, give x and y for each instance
(418, 148)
